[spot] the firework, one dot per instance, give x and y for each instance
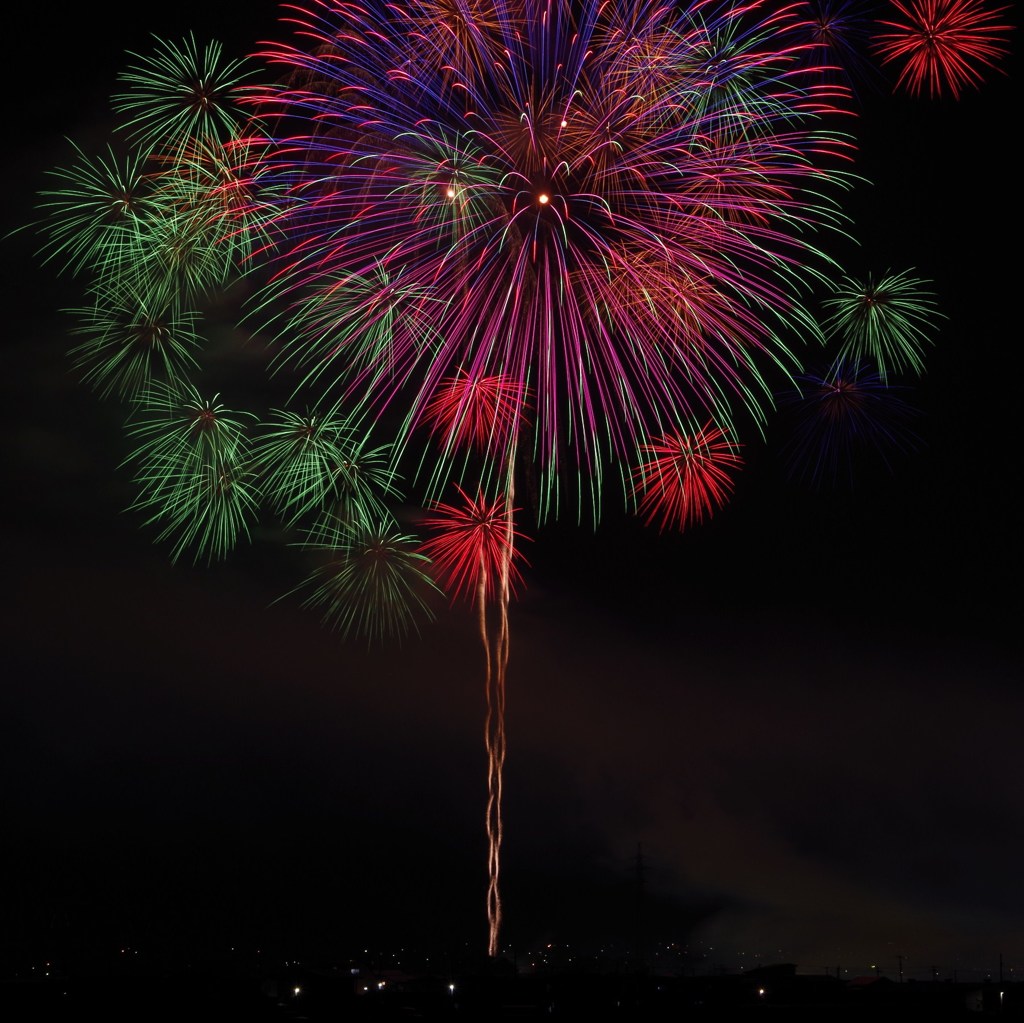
(314, 465)
(373, 581)
(133, 339)
(839, 416)
(473, 547)
(476, 413)
(606, 205)
(181, 92)
(943, 46)
(94, 215)
(548, 231)
(193, 470)
(840, 34)
(504, 240)
(888, 322)
(213, 213)
(686, 477)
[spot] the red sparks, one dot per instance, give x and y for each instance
(474, 547)
(686, 477)
(477, 412)
(943, 44)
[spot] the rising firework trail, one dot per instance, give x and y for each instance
(474, 553)
(483, 416)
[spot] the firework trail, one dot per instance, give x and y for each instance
(483, 416)
(474, 553)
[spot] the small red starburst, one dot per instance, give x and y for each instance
(473, 546)
(686, 477)
(943, 45)
(478, 412)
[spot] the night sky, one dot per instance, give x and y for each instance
(803, 719)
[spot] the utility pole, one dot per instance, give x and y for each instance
(641, 942)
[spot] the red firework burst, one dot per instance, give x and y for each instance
(686, 477)
(480, 412)
(474, 547)
(943, 45)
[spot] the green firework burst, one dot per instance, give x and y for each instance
(373, 582)
(194, 470)
(889, 321)
(181, 93)
(316, 463)
(134, 336)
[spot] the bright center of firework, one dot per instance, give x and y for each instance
(543, 198)
(451, 192)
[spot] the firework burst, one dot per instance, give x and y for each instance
(133, 339)
(194, 470)
(686, 477)
(94, 215)
(313, 465)
(840, 34)
(372, 580)
(888, 321)
(607, 205)
(180, 92)
(474, 547)
(838, 417)
(943, 46)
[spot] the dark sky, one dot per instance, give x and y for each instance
(807, 713)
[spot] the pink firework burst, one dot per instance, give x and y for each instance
(943, 45)
(474, 549)
(687, 477)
